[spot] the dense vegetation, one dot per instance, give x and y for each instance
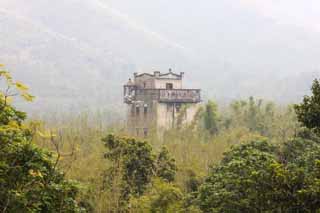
(29, 180)
(250, 156)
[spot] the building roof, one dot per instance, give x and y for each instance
(159, 75)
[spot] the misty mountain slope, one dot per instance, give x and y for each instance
(102, 27)
(230, 31)
(80, 52)
(59, 70)
(258, 51)
(71, 67)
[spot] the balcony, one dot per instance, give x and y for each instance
(179, 96)
(163, 95)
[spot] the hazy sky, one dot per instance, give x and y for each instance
(304, 13)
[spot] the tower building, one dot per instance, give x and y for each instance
(158, 101)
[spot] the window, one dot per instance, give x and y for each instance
(137, 110)
(144, 85)
(169, 86)
(178, 107)
(145, 132)
(145, 110)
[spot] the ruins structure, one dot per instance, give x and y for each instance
(157, 102)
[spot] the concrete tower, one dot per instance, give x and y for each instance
(155, 102)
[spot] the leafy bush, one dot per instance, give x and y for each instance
(165, 165)
(308, 111)
(259, 177)
(160, 197)
(29, 180)
(131, 170)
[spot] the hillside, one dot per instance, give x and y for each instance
(77, 52)
(57, 50)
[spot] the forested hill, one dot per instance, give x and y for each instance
(79, 52)
(70, 58)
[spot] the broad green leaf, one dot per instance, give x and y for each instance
(5, 74)
(21, 87)
(27, 97)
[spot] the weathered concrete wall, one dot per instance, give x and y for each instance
(141, 117)
(168, 114)
(145, 81)
(161, 83)
(164, 116)
(192, 110)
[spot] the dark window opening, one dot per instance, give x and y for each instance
(145, 132)
(145, 110)
(178, 107)
(137, 110)
(169, 86)
(144, 85)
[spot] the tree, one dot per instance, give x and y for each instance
(308, 112)
(132, 166)
(29, 180)
(165, 166)
(260, 177)
(252, 113)
(161, 197)
(211, 118)
(241, 182)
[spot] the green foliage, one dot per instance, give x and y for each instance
(13, 89)
(132, 165)
(191, 146)
(29, 181)
(162, 197)
(240, 182)
(299, 145)
(308, 112)
(166, 166)
(192, 184)
(260, 177)
(253, 114)
(211, 118)
(193, 181)
(302, 161)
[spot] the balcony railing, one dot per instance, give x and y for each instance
(165, 95)
(180, 95)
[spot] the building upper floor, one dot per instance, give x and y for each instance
(158, 80)
(164, 87)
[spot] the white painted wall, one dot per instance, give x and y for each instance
(161, 83)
